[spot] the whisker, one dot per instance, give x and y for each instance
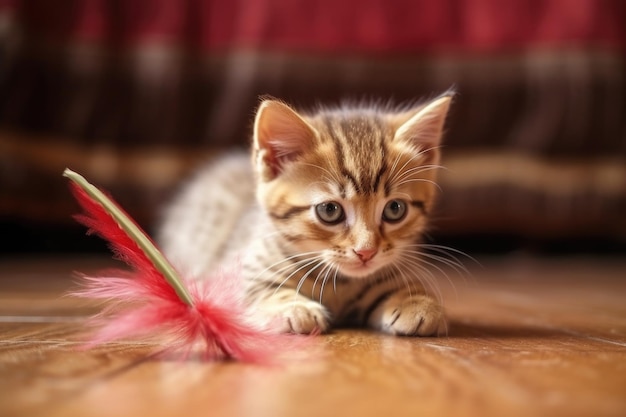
(393, 179)
(418, 170)
(308, 262)
(420, 180)
(447, 256)
(392, 172)
(335, 279)
(419, 256)
(325, 280)
(446, 250)
(425, 276)
(449, 261)
(410, 285)
(298, 265)
(404, 176)
(401, 173)
(459, 268)
(286, 260)
(305, 276)
(317, 278)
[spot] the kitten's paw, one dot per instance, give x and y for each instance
(412, 316)
(301, 317)
(305, 318)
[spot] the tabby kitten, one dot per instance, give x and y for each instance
(325, 222)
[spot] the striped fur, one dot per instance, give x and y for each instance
(316, 221)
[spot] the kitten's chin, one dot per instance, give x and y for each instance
(358, 271)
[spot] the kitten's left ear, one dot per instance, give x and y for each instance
(423, 129)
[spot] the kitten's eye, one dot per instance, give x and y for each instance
(394, 211)
(330, 213)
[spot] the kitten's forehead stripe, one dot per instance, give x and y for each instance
(383, 168)
(340, 143)
(359, 144)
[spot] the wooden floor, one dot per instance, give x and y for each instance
(526, 337)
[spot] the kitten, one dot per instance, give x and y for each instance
(325, 221)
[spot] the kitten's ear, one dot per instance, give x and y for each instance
(280, 135)
(422, 129)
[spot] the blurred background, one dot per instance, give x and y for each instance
(134, 94)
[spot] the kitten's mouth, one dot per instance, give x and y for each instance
(359, 269)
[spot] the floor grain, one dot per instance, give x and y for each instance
(526, 337)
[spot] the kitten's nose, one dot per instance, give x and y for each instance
(366, 254)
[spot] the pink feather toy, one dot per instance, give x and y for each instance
(207, 315)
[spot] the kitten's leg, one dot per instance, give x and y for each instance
(289, 312)
(407, 314)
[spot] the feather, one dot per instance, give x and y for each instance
(152, 300)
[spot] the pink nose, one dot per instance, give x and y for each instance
(366, 254)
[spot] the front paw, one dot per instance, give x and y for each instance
(300, 317)
(412, 316)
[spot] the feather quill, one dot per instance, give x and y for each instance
(207, 316)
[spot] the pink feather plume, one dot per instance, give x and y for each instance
(144, 304)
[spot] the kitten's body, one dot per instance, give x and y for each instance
(325, 221)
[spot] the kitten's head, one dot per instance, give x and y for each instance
(351, 186)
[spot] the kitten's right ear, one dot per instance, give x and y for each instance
(423, 128)
(280, 136)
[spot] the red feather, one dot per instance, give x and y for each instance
(144, 304)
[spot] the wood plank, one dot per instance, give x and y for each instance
(43, 364)
(525, 337)
(365, 374)
(42, 332)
